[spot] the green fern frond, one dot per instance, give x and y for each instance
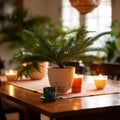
(68, 46)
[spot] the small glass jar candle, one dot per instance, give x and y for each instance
(77, 84)
(100, 81)
(11, 74)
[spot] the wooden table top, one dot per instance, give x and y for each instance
(61, 107)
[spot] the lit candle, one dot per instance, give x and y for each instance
(11, 74)
(100, 81)
(77, 84)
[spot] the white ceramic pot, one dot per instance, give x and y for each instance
(43, 71)
(61, 78)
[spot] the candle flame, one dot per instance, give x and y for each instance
(11, 71)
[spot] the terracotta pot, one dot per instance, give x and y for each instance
(85, 6)
(43, 71)
(61, 78)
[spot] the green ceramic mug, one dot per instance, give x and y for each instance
(49, 92)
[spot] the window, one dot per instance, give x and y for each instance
(70, 16)
(98, 20)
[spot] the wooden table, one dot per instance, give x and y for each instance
(99, 107)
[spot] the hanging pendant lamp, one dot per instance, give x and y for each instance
(85, 6)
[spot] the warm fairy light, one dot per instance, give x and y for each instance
(24, 64)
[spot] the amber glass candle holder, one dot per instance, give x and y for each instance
(11, 75)
(100, 81)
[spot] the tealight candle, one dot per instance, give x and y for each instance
(77, 84)
(11, 75)
(100, 81)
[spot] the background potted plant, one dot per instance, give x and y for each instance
(15, 23)
(69, 46)
(113, 43)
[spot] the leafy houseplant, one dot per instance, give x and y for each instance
(113, 43)
(69, 46)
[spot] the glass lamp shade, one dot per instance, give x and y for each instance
(85, 6)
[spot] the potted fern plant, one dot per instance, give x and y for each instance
(69, 46)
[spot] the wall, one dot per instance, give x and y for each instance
(116, 10)
(49, 8)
